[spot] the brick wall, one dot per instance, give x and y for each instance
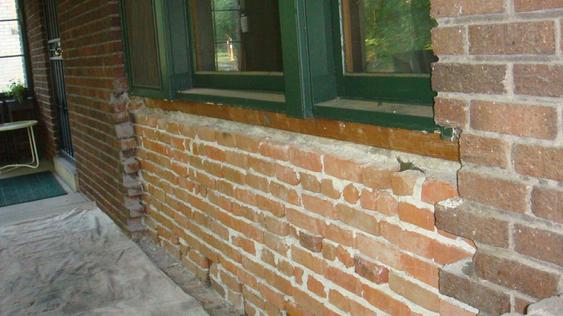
(500, 79)
(285, 222)
(39, 63)
(102, 133)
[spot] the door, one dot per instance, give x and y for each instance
(57, 76)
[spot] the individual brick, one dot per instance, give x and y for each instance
(539, 161)
(538, 243)
(475, 223)
(377, 177)
(535, 5)
(305, 159)
(548, 203)
(485, 151)
(448, 40)
(370, 270)
(523, 38)
(313, 243)
(466, 78)
(541, 121)
(501, 269)
(496, 192)
(415, 293)
(423, 218)
(351, 194)
(454, 8)
(342, 168)
(539, 80)
(435, 190)
(450, 112)
(403, 182)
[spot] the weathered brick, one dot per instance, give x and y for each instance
(315, 286)
(497, 192)
(313, 243)
(473, 223)
(466, 78)
(370, 270)
(499, 269)
(474, 293)
(548, 203)
(541, 121)
(448, 40)
(351, 194)
(534, 5)
(538, 243)
(539, 161)
(403, 182)
(435, 190)
(450, 112)
(539, 80)
(423, 218)
(525, 38)
(483, 150)
(452, 8)
(414, 293)
(377, 177)
(305, 159)
(342, 168)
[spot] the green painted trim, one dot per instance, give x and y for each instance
(25, 45)
(271, 106)
(239, 81)
(394, 120)
(295, 50)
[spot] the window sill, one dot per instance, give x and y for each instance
(386, 114)
(246, 98)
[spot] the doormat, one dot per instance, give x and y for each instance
(31, 187)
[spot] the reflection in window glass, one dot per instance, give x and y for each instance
(387, 36)
(236, 35)
(12, 64)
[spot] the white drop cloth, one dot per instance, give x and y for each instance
(79, 263)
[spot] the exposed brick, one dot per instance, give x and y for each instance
(541, 121)
(525, 38)
(351, 194)
(376, 177)
(548, 203)
(315, 286)
(474, 293)
(483, 150)
(473, 223)
(414, 293)
(370, 270)
(435, 190)
(499, 269)
(534, 5)
(403, 182)
(305, 159)
(448, 40)
(423, 218)
(539, 80)
(487, 79)
(538, 243)
(452, 8)
(505, 194)
(358, 219)
(342, 168)
(313, 243)
(328, 189)
(450, 112)
(539, 161)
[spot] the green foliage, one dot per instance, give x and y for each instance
(16, 90)
(395, 27)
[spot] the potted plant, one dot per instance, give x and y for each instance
(16, 90)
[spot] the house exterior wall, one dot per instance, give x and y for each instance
(500, 79)
(283, 221)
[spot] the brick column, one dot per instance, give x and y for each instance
(500, 80)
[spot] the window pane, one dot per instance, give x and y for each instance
(236, 35)
(8, 9)
(387, 36)
(12, 70)
(10, 39)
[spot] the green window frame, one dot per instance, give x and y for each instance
(19, 19)
(313, 83)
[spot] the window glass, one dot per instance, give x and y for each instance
(12, 64)
(236, 35)
(387, 36)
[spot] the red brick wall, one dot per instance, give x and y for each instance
(102, 133)
(500, 79)
(40, 79)
(284, 222)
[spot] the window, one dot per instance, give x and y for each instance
(12, 57)
(359, 60)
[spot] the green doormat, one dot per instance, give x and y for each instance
(31, 187)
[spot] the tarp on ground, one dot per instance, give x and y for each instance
(80, 263)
